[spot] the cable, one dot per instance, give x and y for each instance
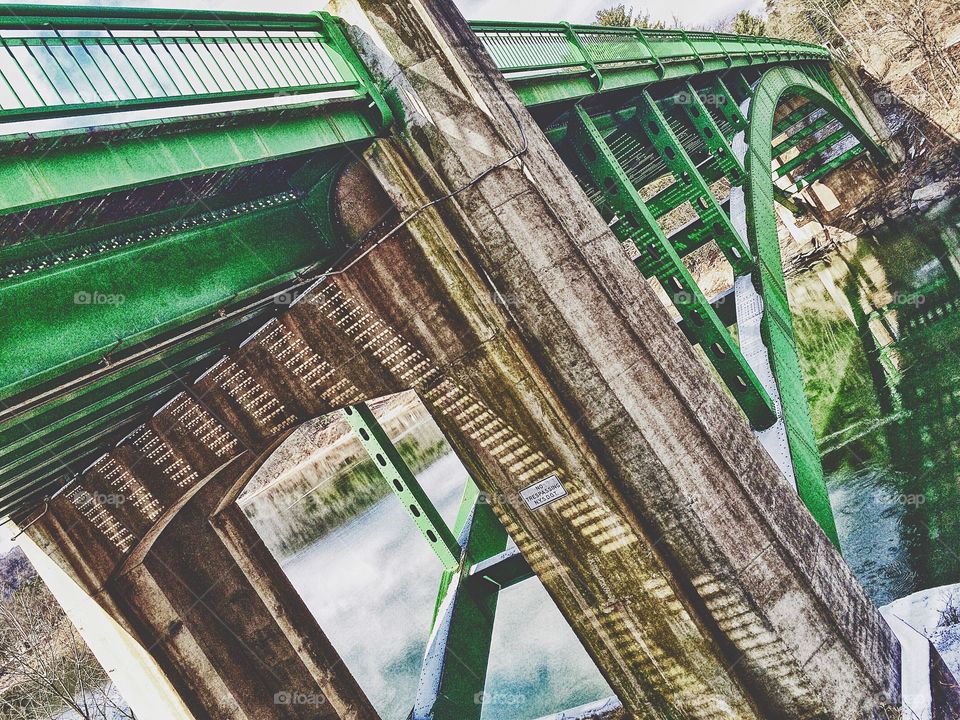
(517, 154)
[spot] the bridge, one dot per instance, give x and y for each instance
(220, 226)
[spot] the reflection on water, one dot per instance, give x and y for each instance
(878, 327)
(372, 584)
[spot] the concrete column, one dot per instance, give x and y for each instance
(199, 602)
(688, 568)
(132, 670)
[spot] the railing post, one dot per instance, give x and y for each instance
(334, 34)
(574, 40)
(661, 70)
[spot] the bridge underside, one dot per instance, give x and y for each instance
(176, 324)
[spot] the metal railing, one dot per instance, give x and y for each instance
(530, 48)
(66, 61)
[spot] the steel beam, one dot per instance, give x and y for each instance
(692, 184)
(828, 167)
(711, 134)
(820, 146)
(776, 324)
(558, 62)
(403, 483)
(724, 103)
(455, 663)
(633, 222)
(800, 135)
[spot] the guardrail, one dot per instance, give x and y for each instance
(531, 50)
(67, 61)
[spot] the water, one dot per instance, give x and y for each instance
(372, 585)
(878, 328)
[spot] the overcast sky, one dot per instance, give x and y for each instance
(582, 11)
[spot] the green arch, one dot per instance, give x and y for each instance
(774, 87)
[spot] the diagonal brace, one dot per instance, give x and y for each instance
(404, 484)
(634, 222)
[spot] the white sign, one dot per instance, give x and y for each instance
(543, 492)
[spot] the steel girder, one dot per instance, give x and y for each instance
(403, 483)
(633, 222)
(549, 63)
(776, 323)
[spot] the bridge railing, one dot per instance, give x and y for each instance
(531, 48)
(68, 61)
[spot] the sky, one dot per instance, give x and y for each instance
(576, 11)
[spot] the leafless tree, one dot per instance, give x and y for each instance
(46, 668)
(911, 27)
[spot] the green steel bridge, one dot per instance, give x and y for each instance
(168, 186)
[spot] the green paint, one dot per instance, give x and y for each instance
(635, 223)
(692, 185)
(777, 325)
(467, 651)
(75, 314)
(404, 484)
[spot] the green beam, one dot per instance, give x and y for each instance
(676, 194)
(740, 83)
(455, 667)
(811, 152)
(80, 171)
(634, 222)
(547, 63)
(827, 168)
(73, 315)
(802, 134)
(792, 118)
(404, 484)
(709, 131)
(692, 184)
(776, 323)
(725, 104)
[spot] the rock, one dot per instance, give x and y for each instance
(930, 193)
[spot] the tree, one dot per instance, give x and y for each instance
(746, 23)
(46, 667)
(623, 16)
(912, 28)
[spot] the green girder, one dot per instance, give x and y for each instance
(724, 103)
(807, 155)
(828, 167)
(711, 134)
(559, 62)
(694, 188)
(470, 614)
(75, 314)
(802, 134)
(635, 223)
(386, 458)
(776, 324)
(93, 169)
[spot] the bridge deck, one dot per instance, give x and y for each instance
(126, 132)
